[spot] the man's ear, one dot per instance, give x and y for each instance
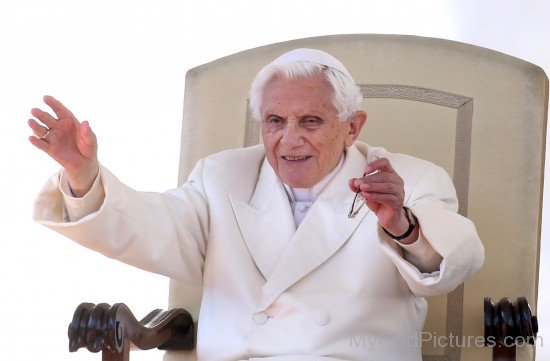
(355, 126)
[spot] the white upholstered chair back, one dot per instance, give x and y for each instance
(478, 113)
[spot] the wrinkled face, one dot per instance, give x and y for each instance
(302, 134)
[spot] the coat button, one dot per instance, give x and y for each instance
(303, 208)
(260, 318)
(322, 318)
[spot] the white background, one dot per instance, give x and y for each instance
(121, 65)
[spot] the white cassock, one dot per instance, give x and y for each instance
(334, 288)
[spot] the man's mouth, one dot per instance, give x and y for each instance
(296, 158)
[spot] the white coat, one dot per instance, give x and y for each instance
(341, 290)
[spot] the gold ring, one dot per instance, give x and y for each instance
(43, 136)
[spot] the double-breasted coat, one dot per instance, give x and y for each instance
(341, 289)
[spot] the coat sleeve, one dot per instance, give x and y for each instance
(433, 202)
(164, 233)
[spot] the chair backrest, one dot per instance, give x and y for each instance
(478, 113)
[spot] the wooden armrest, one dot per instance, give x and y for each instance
(111, 330)
(508, 325)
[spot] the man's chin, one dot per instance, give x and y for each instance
(298, 182)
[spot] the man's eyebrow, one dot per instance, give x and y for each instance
(269, 112)
(312, 113)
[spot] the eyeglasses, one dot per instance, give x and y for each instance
(358, 200)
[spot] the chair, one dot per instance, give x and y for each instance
(478, 113)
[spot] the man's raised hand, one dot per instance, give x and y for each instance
(383, 191)
(70, 143)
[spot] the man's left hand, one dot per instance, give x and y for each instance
(383, 191)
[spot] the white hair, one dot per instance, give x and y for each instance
(346, 96)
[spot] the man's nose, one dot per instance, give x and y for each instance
(292, 135)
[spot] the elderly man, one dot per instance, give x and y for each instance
(294, 267)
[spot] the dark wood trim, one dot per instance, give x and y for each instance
(111, 330)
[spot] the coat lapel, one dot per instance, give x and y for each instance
(322, 232)
(266, 221)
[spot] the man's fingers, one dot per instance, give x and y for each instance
(87, 134)
(87, 139)
(44, 117)
(351, 184)
(384, 187)
(59, 109)
(40, 144)
(37, 129)
(381, 177)
(379, 164)
(383, 198)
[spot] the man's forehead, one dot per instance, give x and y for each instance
(308, 95)
(297, 106)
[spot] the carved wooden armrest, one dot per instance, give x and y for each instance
(112, 329)
(508, 325)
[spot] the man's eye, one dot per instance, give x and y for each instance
(273, 122)
(311, 122)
